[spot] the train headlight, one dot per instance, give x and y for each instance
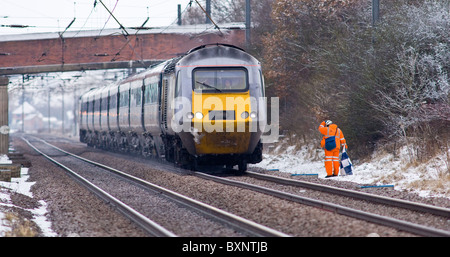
(190, 115)
(244, 115)
(253, 115)
(199, 115)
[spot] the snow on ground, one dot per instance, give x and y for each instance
(430, 179)
(21, 186)
(4, 159)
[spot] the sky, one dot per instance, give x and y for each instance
(56, 15)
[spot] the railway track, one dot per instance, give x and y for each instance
(371, 217)
(229, 220)
(397, 223)
(414, 206)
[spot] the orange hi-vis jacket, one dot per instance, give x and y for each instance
(332, 130)
(332, 157)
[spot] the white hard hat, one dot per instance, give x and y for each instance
(328, 122)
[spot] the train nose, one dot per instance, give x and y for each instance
(221, 123)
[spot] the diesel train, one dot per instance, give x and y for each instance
(204, 107)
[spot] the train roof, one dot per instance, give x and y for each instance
(190, 57)
(169, 65)
(219, 50)
(212, 45)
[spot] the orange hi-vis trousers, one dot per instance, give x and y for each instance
(332, 160)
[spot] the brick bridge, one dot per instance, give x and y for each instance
(112, 48)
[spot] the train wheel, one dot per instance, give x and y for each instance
(194, 164)
(242, 166)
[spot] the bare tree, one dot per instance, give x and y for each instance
(326, 60)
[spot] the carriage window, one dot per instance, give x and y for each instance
(104, 103)
(220, 79)
(112, 102)
(151, 93)
(124, 98)
(136, 96)
(92, 105)
(84, 107)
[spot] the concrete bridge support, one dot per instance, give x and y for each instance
(4, 126)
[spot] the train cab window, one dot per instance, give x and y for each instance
(220, 79)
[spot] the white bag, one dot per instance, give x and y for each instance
(346, 163)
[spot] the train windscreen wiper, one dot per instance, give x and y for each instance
(207, 85)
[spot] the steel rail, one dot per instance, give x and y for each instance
(378, 219)
(143, 222)
(237, 222)
(436, 210)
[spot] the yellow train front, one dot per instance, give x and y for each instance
(219, 111)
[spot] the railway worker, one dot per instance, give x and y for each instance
(332, 141)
